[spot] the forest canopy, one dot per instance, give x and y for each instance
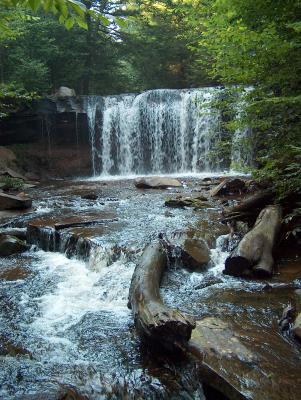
(252, 47)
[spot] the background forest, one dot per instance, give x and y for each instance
(252, 47)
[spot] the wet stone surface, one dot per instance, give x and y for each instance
(65, 329)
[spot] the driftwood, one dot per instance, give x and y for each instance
(255, 249)
(153, 319)
(250, 204)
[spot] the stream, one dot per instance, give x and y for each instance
(66, 331)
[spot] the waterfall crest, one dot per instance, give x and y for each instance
(158, 131)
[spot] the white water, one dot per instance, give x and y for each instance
(159, 131)
(81, 288)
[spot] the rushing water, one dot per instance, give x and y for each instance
(159, 131)
(64, 322)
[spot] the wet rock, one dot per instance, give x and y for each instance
(14, 274)
(10, 245)
(19, 233)
(10, 202)
(72, 235)
(297, 327)
(89, 196)
(182, 202)
(192, 252)
(7, 348)
(223, 357)
(215, 336)
(156, 183)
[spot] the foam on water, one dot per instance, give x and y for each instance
(79, 290)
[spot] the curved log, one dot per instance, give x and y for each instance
(153, 319)
(255, 249)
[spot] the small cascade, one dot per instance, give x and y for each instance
(158, 131)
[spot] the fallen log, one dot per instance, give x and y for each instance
(249, 204)
(153, 319)
(255, 249)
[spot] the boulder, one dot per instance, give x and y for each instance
(64, 92)
(10, 202)
(156, 183)
(192, 252)
(10, 245)
(297, 327)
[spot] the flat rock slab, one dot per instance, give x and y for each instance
(241, 352)
(71, 234)
(156, 183)
(10, 202)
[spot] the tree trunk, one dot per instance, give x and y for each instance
(255, 249)
(153, 319)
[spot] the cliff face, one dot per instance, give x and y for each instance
(50, 139)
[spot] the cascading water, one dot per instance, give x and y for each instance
(158, 131)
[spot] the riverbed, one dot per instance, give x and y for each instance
(65, 329)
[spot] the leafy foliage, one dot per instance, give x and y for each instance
(13, 98)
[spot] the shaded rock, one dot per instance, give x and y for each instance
(236, 185)
(64, 92)
(7, 155)
(192, 252)
(156, 183)
(10, 202)
(10, 245)
(228, 186)
(297, 327)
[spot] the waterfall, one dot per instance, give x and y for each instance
(158, 131)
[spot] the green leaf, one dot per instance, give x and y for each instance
(69, 23)
(122, 23)
(34, 4)
(104, 21)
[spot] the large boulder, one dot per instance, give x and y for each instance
(10, 245)
(10, 202)
(156, 182)
(192, 252)
(64, 92)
